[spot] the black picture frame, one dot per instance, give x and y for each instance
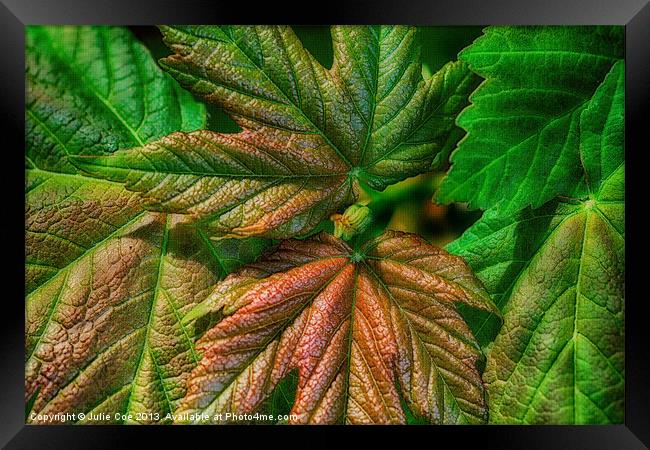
(15, 14)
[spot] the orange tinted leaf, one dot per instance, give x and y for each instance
(363, 331)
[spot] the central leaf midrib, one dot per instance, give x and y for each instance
(373, 98)
(374, 342)
(570, 341)
(349, 350)
(145, 344)
(73, 176)
(201, 174)
(577, 307)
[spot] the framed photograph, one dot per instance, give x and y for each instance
(402, 215)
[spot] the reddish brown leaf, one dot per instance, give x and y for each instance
(363, 329)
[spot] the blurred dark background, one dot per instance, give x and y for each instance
(407, 205)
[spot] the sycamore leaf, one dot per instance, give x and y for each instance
(309, 134)
(107, 283)
(522, 143)
(355, 326)
(106, 334)
(557, 273)
(559, 357)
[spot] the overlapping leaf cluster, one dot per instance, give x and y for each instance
(125, 193)
(135, 213)
(544, 155)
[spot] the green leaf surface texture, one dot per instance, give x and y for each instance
(557, 273)
(521, 147)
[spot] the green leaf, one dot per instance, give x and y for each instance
(558, 273)
(309, 133)
(283, 396)
(522, 144)
(560, 355)
(94, 90)
(107, 283)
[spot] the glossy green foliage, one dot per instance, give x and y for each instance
(90, 90)
(559, 357)
(557, 273)
(523, 125)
